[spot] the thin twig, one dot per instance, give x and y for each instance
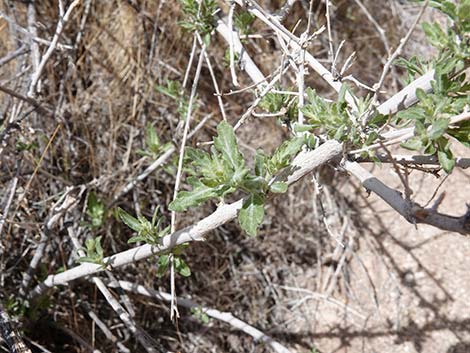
(216, 314)
(174, 309)
(232, 56)
(398, 51)
(60, 26)
(214, 80)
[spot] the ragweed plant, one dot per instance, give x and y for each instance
(95, 211)
(151, 232)
(199, 17)
(223, 171)
(153, 146)
(451, 86)
(243, 22)
(94, 252)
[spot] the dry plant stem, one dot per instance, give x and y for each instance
(263, 93)
(11, 193)
(60, 25)
(232, 56)
(403, 178)
(285, 9)
(214, 80)
(216, 314)
(86, 11)
(398, 51)
(65, 204)
(190, 63)
(320, 296)
(13, 55)
(294, 42)
(460, 162)
(117, 307)
(124, 316)
(10, 335)
(35, 103)
(407, 97)
(35, 56)
(412, 212)
(303, 164)
(331, 51)
(29, 33)
(174, 309)
(301, 73)
(244, 59)
(106, 331)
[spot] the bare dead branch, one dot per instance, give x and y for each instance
(411, 211)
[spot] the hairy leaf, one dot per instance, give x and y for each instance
(131, 222)
(251, 214)
(195, 197)
(226, 144)
(278, 187)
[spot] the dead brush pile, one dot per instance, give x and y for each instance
(93, 121)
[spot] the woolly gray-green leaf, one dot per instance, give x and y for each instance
(251, 214)
(195, 197)
(226, 144)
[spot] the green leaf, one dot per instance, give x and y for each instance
(446, 160)
(302, 127)
(95, 211)
(131, 222)
(251, 214)
(286, 151)
(254, 184)
(136, 239)
(182, 267)
(438, 128)
(435, 34)
(462, 133)
(413, 144)
(163, 263)
(186, 199)
(278, 187)
(226, 143)
(272, 102)
(260, 163)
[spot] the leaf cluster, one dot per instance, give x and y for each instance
(223, 171)
(94, 252)
(274, 102)
(243, 22)
(181, 266)
(199, 314)
(151, 232)
(154, 147)
(95, 211)
(451, 89)
(340, 123)
(199, 16)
